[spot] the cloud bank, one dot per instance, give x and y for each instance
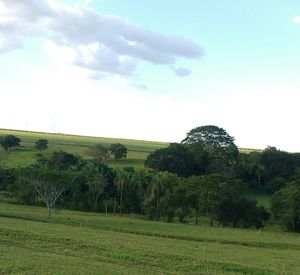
(103, 44)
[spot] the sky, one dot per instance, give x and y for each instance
(152, 70)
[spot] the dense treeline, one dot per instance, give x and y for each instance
(203, 177)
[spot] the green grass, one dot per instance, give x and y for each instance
(89, 243)
(263, 199)
(138, 150)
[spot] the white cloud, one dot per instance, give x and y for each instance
(296, 19)
(60, 55)
(103, 44)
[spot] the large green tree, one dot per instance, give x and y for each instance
(175, 158)
(213, 148)
(61, 160)
(9, 141)
(41, 144)
(100, 152)
(118, 150)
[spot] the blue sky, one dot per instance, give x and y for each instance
(152, 69)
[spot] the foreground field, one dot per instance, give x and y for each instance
(89, 243)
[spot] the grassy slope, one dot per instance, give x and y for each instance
(89, 243)
(137, 149)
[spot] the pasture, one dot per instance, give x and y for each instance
(91, 243)
(138, 150)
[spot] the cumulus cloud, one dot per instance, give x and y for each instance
(102, 44)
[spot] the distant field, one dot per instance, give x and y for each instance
(138, 150)
(89, 243)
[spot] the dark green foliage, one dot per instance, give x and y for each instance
(214, 149)
(7, 177)
(9, 141)
(41, 144)
(220, 199)
(23, 191)
(118, 150)
(269, 170)
(49, 184)
(241, 212)
(286, 205)
(176, 158)
(278, 164)
(275, 184)
(100, 152)
(161, 188)
(61, 160)
(250, 168)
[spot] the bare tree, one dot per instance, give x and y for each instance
(49, 185)
(48, 192)
(96, 185)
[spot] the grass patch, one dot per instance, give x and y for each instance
(87, 243)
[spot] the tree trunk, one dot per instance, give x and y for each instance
(49, 212)
(157, 204)
(197, 218)
(115, 202)
(211, 222)
(293, 223)
(106, 209)
(96, 204)
(121, 200)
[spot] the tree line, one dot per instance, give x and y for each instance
(202, 178)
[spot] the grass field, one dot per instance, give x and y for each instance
(89, 243)
(138, 150)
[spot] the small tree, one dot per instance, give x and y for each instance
(285, 205)
(9, 141)
(41, 144)
(100, 152)
(49, 185)
(118, 150)
(96, 184)
(120, 181)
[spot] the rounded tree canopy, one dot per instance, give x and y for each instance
(216, 145)
(208, 136)
(9, 141)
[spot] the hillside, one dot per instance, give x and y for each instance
(138, 150)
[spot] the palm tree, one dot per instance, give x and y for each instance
(120, 181)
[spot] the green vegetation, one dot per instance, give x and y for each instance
(138, 150)
(200, 185)
(89, 243)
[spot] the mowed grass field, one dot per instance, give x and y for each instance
(89, 243)
(137, 150)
